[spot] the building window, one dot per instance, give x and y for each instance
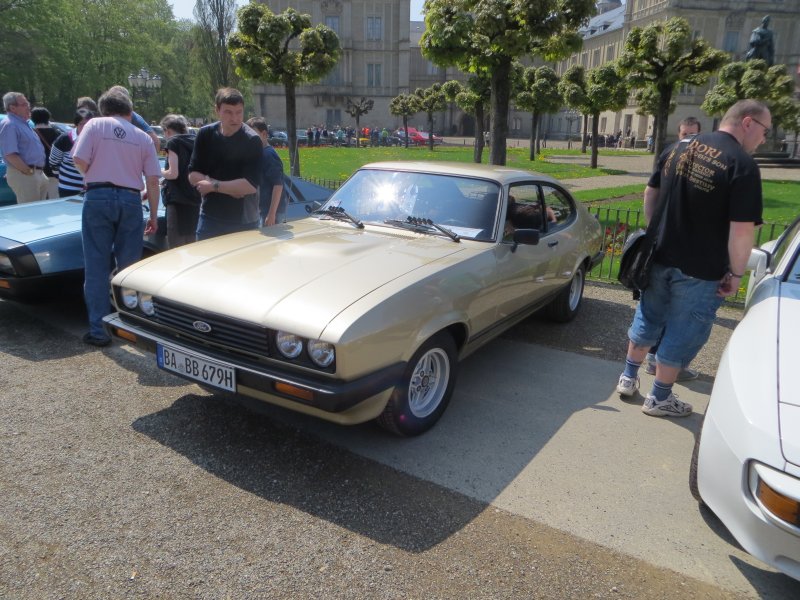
(610, 53)
(333, 117)
(333, 23)
(432, 68)
(731, 43)
(373, 75)
(334, 77)
(603, 124)
(374, 28)
(596, 58)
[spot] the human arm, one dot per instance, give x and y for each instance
(153, 192)
(650, 202)
(171, 172)
(236, 188)
(56, 157)
(740, 243)
(15, 161)
(277, 192)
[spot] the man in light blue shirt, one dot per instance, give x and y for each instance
(22, 150)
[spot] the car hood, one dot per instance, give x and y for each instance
(33, 221)
(296, 277)
(788, 373)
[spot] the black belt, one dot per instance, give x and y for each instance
(107, 184)
(34, 168)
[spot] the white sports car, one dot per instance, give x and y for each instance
(746, 464)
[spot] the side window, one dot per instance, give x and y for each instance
(524, 209)
(559, 208)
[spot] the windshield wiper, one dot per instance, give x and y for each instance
(337, 212)
(423, 224)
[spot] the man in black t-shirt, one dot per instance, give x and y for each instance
(225, 169)
(712, 187)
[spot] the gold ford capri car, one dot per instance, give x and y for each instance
(363, 310)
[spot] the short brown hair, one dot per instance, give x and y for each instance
(86, 102)
(228, 95)
(258, 123)
(690, 122)
(176, 123)
(742, 109)
(114, 102)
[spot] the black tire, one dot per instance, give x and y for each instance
(422, 396)
(693, 487)
(566, 304)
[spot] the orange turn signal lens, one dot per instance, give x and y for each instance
(785, 508)
(292, 390)
(126, 335)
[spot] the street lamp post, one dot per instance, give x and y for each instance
(143, 84)
(571, 116)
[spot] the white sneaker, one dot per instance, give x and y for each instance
(671, 407)
(627, 386)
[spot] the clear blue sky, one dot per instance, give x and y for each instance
(182, 9)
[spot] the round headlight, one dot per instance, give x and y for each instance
(289, 344)
(129, 298)
(146, 304)
(322, 353)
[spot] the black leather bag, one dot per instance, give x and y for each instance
(637, 260)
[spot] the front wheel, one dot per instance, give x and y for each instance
(565, 306)
(422, 396)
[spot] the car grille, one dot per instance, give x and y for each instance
(224, 331)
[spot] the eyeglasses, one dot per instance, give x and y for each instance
(767, 130)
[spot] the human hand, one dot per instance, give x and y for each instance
(152, 225)
(728, 285)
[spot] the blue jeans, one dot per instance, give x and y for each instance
(113, 226)
(208, 227)
(685, 306)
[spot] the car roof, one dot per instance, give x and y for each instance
(503, 175)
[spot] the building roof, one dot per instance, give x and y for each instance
(605, 22)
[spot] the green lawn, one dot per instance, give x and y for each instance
(336, 164)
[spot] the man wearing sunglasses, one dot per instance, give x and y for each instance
(712, 187)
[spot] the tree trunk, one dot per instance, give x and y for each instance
(477, 155)
(430, 131)
(405, 128)
(532, 143)
(593, 163)
(358, 130)
(291, 124)
(501, 93)
(538, 134)
(661, 123)
(585, 129)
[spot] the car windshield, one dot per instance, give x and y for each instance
(464, 205)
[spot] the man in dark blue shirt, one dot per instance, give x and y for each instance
(271, 202)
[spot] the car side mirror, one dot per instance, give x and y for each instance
(527, 237)
(758, 264)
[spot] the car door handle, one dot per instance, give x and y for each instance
(552, 243)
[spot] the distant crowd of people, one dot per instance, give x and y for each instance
(345, 136)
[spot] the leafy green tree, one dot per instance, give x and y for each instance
(216, 20)
(357, 110)
(283, 48)
(538, 94)
(660, 58)
(431, 100)
(486, 36)
(602, 88)
(755, 80)
(404, 106)
(473, 98)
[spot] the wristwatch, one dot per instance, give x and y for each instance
(216, 185)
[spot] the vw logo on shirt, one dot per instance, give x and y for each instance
(119, 133)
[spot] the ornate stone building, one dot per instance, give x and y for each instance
(381, 59)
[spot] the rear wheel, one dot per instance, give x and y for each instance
(422, 396)
(565, 305)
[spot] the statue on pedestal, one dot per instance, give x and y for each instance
(762, 44)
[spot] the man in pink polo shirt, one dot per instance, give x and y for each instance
(113, 155)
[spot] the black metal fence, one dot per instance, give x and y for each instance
(617, 225)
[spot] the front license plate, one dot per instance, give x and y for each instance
(196, 367)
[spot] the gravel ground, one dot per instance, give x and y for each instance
(119, 481)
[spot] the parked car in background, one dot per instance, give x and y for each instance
(278, 139)
(41, 252)
(414, 136)
(426, 138)
(62, 127)
(7, 195)
(363, 310)
(159, 131)
(746, 462)
(302, 137)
